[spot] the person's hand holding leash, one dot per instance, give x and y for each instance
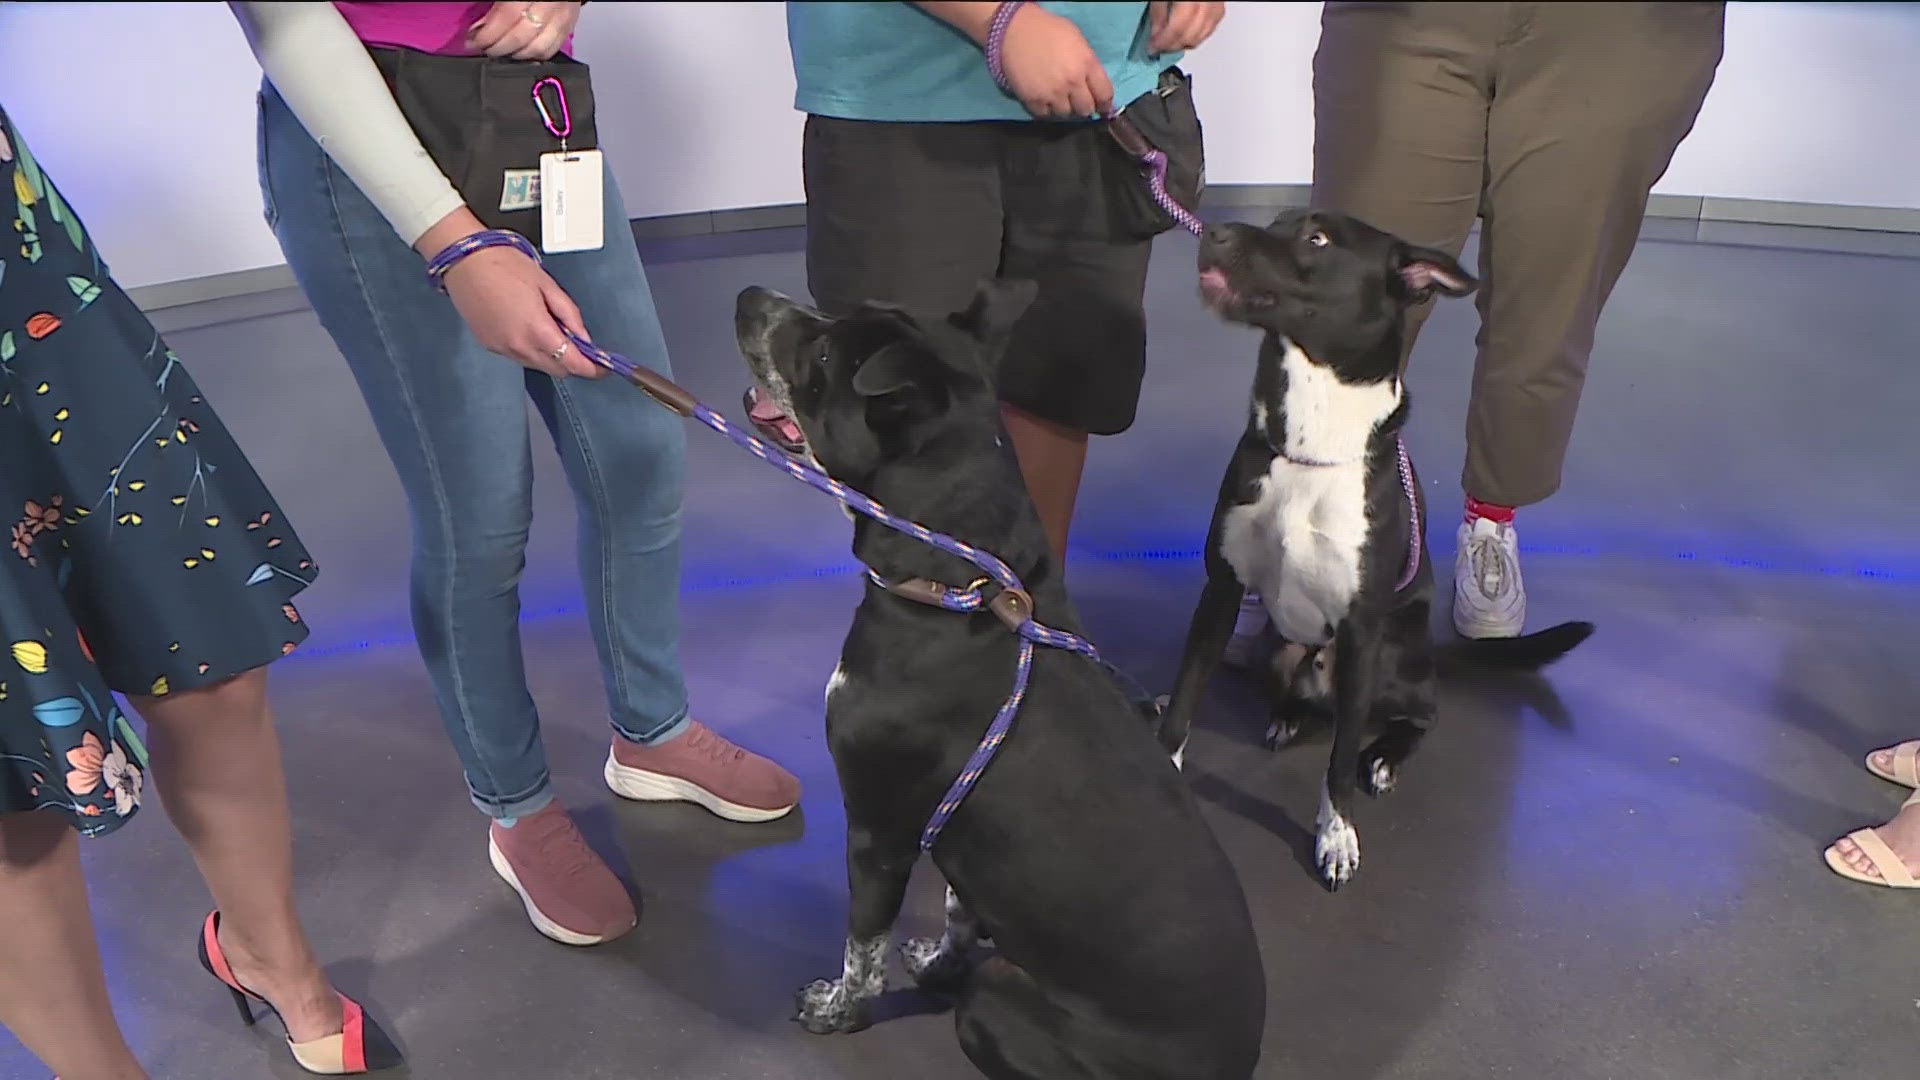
(524, 31)
(1179, 25)
(1052, 69)
(1049, 65)
(509, 303)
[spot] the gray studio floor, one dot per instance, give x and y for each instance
(1621, 881)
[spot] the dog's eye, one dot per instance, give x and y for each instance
(1319, 239)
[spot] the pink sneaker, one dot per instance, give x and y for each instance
(570, 893)
(701, 767)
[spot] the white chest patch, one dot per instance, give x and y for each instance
(1298, 543)
(834, 682)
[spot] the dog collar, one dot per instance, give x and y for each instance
(1012, 606)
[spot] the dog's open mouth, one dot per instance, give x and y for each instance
(773, 419)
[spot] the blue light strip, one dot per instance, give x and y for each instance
(1894, 570)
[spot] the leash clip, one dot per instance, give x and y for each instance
(1012, 607)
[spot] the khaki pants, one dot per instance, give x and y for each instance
(1550, 122)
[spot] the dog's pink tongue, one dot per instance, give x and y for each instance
(1213, 282)
(763, 407)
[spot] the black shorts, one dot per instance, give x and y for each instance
(917, 214)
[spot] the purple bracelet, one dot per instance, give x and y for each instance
(438, 266)
(997, 39)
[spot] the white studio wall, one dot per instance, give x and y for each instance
(144, 113)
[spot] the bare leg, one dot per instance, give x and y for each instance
(53, 995)
(216, 762)
(1052, 458)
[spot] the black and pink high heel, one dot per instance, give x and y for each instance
(360, 1046)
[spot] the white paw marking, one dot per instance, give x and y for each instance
(935, 964)
(1180, 758)
(919, 954)
(821, 995)
(866, 967)
(1336, 850)
(1382, 776)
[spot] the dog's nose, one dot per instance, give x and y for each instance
(1220, 236)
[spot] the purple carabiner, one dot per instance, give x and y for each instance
(565, 127)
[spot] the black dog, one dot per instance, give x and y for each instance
(1320, 509)
(1124, 946)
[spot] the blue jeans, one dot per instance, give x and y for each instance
(453, 417)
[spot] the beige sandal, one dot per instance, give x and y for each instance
(1906, 764)
(1892, 870)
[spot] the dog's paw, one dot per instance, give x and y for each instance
(1280, 733)
(827, 1009)
(1336, 849)
(932, 966)
(1378, 775)
(1337, 852)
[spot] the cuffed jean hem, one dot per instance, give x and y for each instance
(660, 732)
(531, 802)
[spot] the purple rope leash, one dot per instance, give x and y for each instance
(1154, 163)
(970, 599)
(438, 266)
(1414, 533)
(1152, 160)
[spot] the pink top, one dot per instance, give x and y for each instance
(427, 27)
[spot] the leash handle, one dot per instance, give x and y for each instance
(997, 41)
(451, 255)
(657, 386)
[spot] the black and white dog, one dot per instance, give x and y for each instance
(1123, 942)
(1320, 511)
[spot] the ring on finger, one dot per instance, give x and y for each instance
(527, 14)
(556, 354)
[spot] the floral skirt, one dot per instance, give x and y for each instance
(143, 555)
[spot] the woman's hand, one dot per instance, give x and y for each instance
(524, 31)
(1052, 69)
(1183, 24)
(509, 303)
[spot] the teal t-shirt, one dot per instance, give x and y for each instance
(893, 61)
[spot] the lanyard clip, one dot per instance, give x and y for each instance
(565, 127)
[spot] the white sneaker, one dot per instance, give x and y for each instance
(1243, 648)
(1489, 599)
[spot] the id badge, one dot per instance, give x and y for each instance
(571, 201)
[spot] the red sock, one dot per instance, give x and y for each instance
(1499, 515)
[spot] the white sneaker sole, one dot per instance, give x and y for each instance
(642, 785)
(1482, 629)
(534, 915)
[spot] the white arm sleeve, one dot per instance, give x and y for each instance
(319, 66)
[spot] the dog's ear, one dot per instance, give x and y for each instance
(1426, 271)
(891, 368)
(997, 304)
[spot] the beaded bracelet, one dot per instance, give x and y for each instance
(997, 39)
(438, 266)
